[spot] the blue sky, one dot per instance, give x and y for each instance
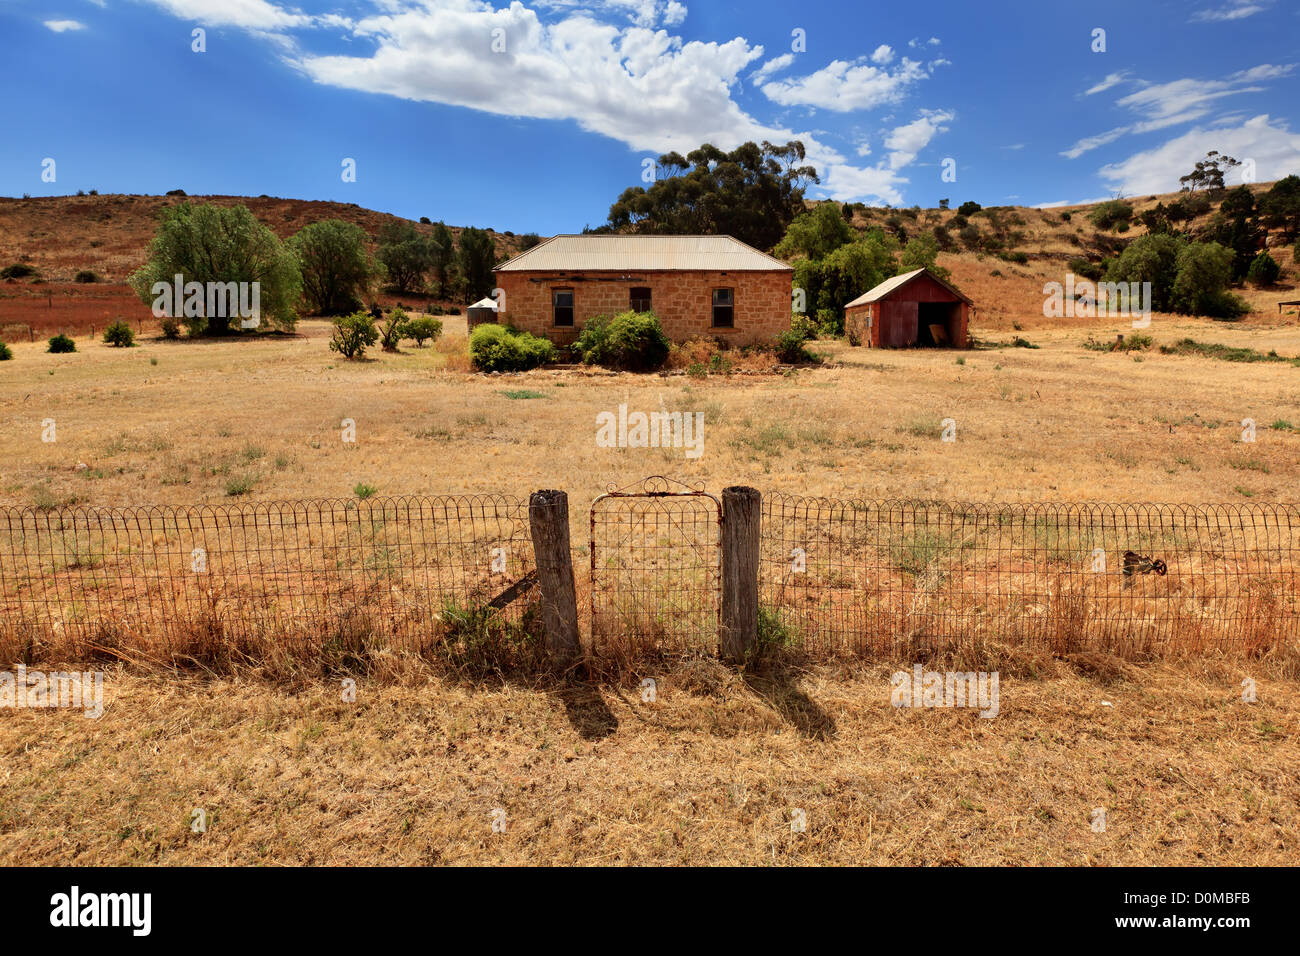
(533, 116)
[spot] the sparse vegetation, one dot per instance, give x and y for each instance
(353, 334)
(119, 335)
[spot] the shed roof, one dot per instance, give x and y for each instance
(622, 253)
(897, 282)
(487, 302)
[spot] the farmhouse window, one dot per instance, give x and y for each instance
(724, 309)
(562, 306)
(640, 298)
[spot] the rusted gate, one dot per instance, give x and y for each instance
(656, 550)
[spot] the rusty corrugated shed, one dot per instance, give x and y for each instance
(642, 253)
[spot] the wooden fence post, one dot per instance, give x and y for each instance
(741, 513)
(548, 518)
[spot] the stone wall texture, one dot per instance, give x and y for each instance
(683, 301)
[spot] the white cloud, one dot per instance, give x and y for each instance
(774, 65)
(1273, 147)
(842, 86)
(1186, 100)
(1112, 79)
(883, 54)
(249, 14)
(1014, 146)
(63, 26)
(904, 142)
(674, 14)
(1233, 10)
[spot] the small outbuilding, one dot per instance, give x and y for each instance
(484, 310)
(913, 309)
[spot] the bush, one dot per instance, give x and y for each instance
(6, 353)
(61, 343)
(394, 330)
(805, 327)
(423, 329)
(19, 270)
(969, 208)
(353, 334)
(171, 327)
(790, 347)
(630, 340)
(85, 275)
(1111, 214)
(119, 335)
(498, 348)
(1263, 270)
(1089, 270)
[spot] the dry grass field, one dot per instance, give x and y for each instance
(711, 772)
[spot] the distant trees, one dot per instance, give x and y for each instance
(815, 234)
(336, 268)
(1187, 277)
(1111, 214)
(1209, 172)
(752, 193)
(922, 252)
(442, 255)
(844, 274)
(221, 244)
(1279, 208)
(475, 258)
(405, 254)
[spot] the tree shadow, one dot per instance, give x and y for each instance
(586, 709)
(777, 684)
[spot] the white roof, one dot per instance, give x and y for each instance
(606, 253)
(487, 302)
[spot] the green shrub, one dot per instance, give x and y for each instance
(499, 348)
(393, 330)
(1263, 270)
(353, 334)
(969, 208)
(1111, 214)
(804, 327)
(630, 340)
(61, 343)
(364, 491)
(19, 270)
(119, 335)
(423, 329)
(171, 327)
(1089, 270)
(85, 275)
(6, 353)
(790, 348)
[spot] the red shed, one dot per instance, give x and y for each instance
(916, 308)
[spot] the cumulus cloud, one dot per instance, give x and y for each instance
(772, 66)
(883, 54)
(1274, 149)
(842, 86)
(905, 142)
(63, 26)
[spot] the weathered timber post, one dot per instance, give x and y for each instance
(741, 511)
(548, 518)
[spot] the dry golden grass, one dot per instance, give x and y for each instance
(709, 773)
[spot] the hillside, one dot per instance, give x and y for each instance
(109, 234)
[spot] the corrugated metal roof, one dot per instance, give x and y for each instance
(625, 253)
(487, 302)
(889, 285)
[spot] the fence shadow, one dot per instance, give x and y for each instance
(778, 684)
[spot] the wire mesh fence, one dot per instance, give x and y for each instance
(655, 560)
(300, 573)
(888, 576)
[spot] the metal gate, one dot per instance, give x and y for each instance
(656, 549)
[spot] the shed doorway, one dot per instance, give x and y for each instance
(936, 325)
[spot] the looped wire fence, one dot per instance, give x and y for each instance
(883, 576)
(655, 565)
(304, 572)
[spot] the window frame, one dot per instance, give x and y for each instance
(633, 298)
(730, 306)
(556, 291)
